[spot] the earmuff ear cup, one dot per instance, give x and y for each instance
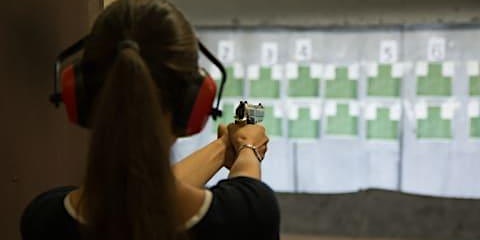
(73, 95)
(68, 93)
(191, 119)
(202, 107)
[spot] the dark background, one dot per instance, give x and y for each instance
(40, 150)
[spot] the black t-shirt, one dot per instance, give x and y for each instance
(241, 208)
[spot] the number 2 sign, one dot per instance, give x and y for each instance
(226, 51)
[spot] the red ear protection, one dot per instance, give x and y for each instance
(202, 105)
(196, 112)
(73, 94)
(191, 119)
(68, 93)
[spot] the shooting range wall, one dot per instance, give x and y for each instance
(371, 213)
(39, 149)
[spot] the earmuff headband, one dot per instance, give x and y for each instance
(56, 96)
(216, 112)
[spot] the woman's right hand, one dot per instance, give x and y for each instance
(253, 134)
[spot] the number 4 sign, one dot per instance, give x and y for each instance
(303, 50)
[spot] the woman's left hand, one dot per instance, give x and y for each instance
(222, 134)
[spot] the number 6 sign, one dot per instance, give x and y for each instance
(436, 49)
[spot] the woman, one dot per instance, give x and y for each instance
(138, 62)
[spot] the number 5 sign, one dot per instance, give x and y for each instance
(388, 51)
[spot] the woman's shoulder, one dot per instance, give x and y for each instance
(242, 208)
(239, 190)
(45, 217)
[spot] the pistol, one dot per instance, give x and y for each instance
(249, 113)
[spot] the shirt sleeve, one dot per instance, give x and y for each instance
(242, 208)
(46, 218)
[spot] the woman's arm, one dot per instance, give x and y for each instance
(247, 163)
(200, 166)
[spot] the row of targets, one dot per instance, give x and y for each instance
(342, 119)
(310, 120)
(341, 82)
(433, 121)
(303, 81)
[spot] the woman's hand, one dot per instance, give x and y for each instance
(247, 162)
(222, 134)
(253, 134)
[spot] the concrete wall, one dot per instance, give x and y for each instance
(39, 149)
(305, 13)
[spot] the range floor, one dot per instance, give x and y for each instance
(307, 237)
